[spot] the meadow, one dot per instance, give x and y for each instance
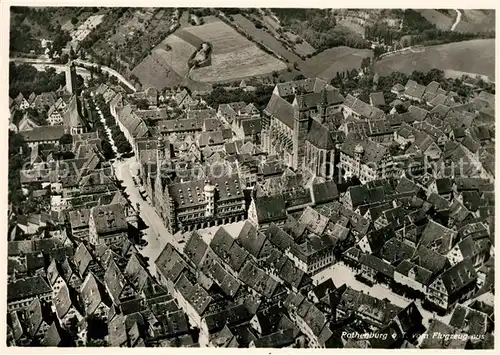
(233, 56)
(476, 56)
(326, 64)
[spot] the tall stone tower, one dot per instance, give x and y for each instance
(358, 154)
(322, 106)
(300, 130)
(71, 78)
(209, 191)
(160, 153)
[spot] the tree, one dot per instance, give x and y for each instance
(66, 139)
(142, 104)
(400, 109)
(107, 150)
(378, 51)
(74, 20)
(299, 77)
(434, 75)
(365, 63)
(64, 58)
(418, 76)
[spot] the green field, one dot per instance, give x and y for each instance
(326, 64)
(477, 21)
(476, 56)
(261, 36)
(233, 56)
(440, 20)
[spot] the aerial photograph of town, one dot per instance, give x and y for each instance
(251, 177)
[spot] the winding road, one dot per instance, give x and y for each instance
(457, 21)
(109, 71)
(42, 63)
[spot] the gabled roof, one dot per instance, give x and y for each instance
(213, 267)
(109, 219)
(280, 109)
(419, 114)
(429, 259)
(19, 99)
(71, 116)
(53, 336)
(421, 274)
(313, 220)
(36, 314)
(377, 264)
(258, 279)
(415, 90)
(372, 152)
(398, 87)
(230, 316)
(27, 287)
(432, 87)
(250, 238)
(459, 276)
(323, 192)
(195, 295)
(82, 258)
(43, 133)
(270, 208)
(195, 248)
(362, 108)
(93, 293)
(377, 98)
(437, 237)
(64, 300)
(170, 263)
(307, 85)
(319, 136)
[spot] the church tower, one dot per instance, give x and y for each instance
(71, 78)
(300, 130)
(323, 104)
(160, 152)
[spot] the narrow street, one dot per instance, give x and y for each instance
(342, 274)
(109, 71)
(156, 234)
(457, 21)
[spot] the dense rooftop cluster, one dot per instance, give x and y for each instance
(350, 220)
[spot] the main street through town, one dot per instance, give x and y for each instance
(157, 235)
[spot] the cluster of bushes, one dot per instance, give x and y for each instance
(435, 36)
(25, 78)
(260, 97)
(318, 27)
(95, 120)
(121, 142)
(24, 39)
(417, 30)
